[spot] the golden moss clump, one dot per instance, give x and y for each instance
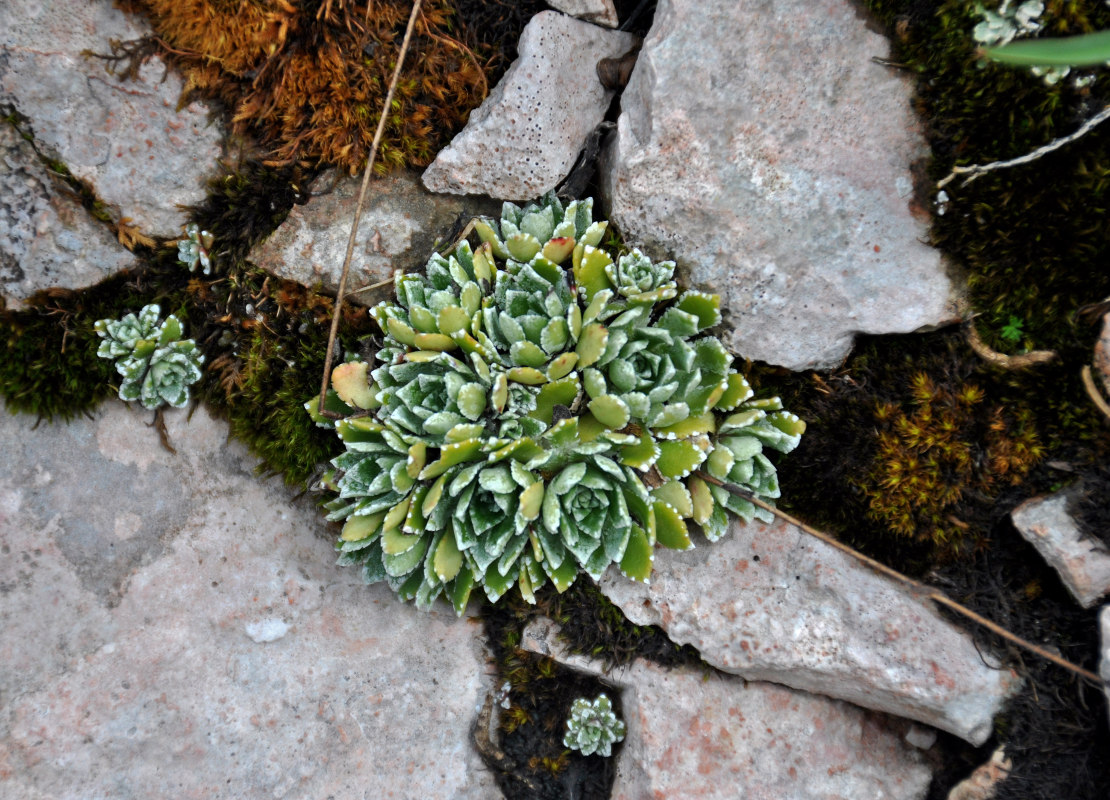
(938, 447)
(307, 80)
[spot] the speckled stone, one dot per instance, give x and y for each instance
(141, 155)
(599, 12)
(526, 136)
(175, 626)
(1082, 563)
(47, 239)
(760, 146)
(1102, 354)
(720, 737)
(401, 223)
(770, 602)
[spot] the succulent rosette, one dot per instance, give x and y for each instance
(156, 364)
(541, 406)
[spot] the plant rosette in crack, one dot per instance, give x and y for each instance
(538, 408)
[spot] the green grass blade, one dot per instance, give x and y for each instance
(1087, 50)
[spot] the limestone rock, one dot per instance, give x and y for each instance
(141, 156)
(1082, 563)
(982, 784)
(46, 238)
(527, 135)
(689, 737)
(770, 602)
(175, 627)
(777, 172)
(599, 12)
(400, 224)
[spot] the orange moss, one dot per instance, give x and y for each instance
(935, 448)
(308, 80)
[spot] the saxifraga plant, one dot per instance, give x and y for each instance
(156, 364)
(593, 727)
(538, 409)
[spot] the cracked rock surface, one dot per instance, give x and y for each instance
(527, 134)
(769, 602)
(398, 228)
(1082, 562)
(693, 736)
(800, 210)
(141, 156)
(193, 638)
(46, 238)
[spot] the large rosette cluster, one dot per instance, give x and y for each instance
(540, 407)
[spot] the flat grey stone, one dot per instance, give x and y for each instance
(527, 134)
(722, 737)
(141, 156)
(770, 602)
(599, 12)
(1082, 563)
(47, 239)
(400, 224)
(760, 147)
(175, 627)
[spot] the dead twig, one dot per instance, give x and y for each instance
(1001, 359)
(926, 591)
(1094, 393)
(975, 170)
(337, 311)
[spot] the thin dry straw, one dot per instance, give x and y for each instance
(928, 591)
(336, 312)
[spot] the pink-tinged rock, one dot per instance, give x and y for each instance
(599, 12)
(175, 627)
(526, 136)
(141, 155)
(722, 737)
(760, 146)
(982, 784)
(1082, 562)
(400, 225)
(770, 602)
(46, 238)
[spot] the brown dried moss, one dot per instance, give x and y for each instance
(307, 80)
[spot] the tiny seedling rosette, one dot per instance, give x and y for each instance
(537, 409)
(157, 366)
(593, 728)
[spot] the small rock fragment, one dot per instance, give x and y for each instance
(47, 239)
(722, 737)
(126, 138)
(983, 782)
(397, 230)
(527, 134)
(778, 172)
(921, 737)
(1082, 562)
(267, 630)
(599, 12)
(770, 602)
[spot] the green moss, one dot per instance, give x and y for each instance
(1034, 238)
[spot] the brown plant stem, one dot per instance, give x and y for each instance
(1001, 359)
(925, 590)
(337, 311)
